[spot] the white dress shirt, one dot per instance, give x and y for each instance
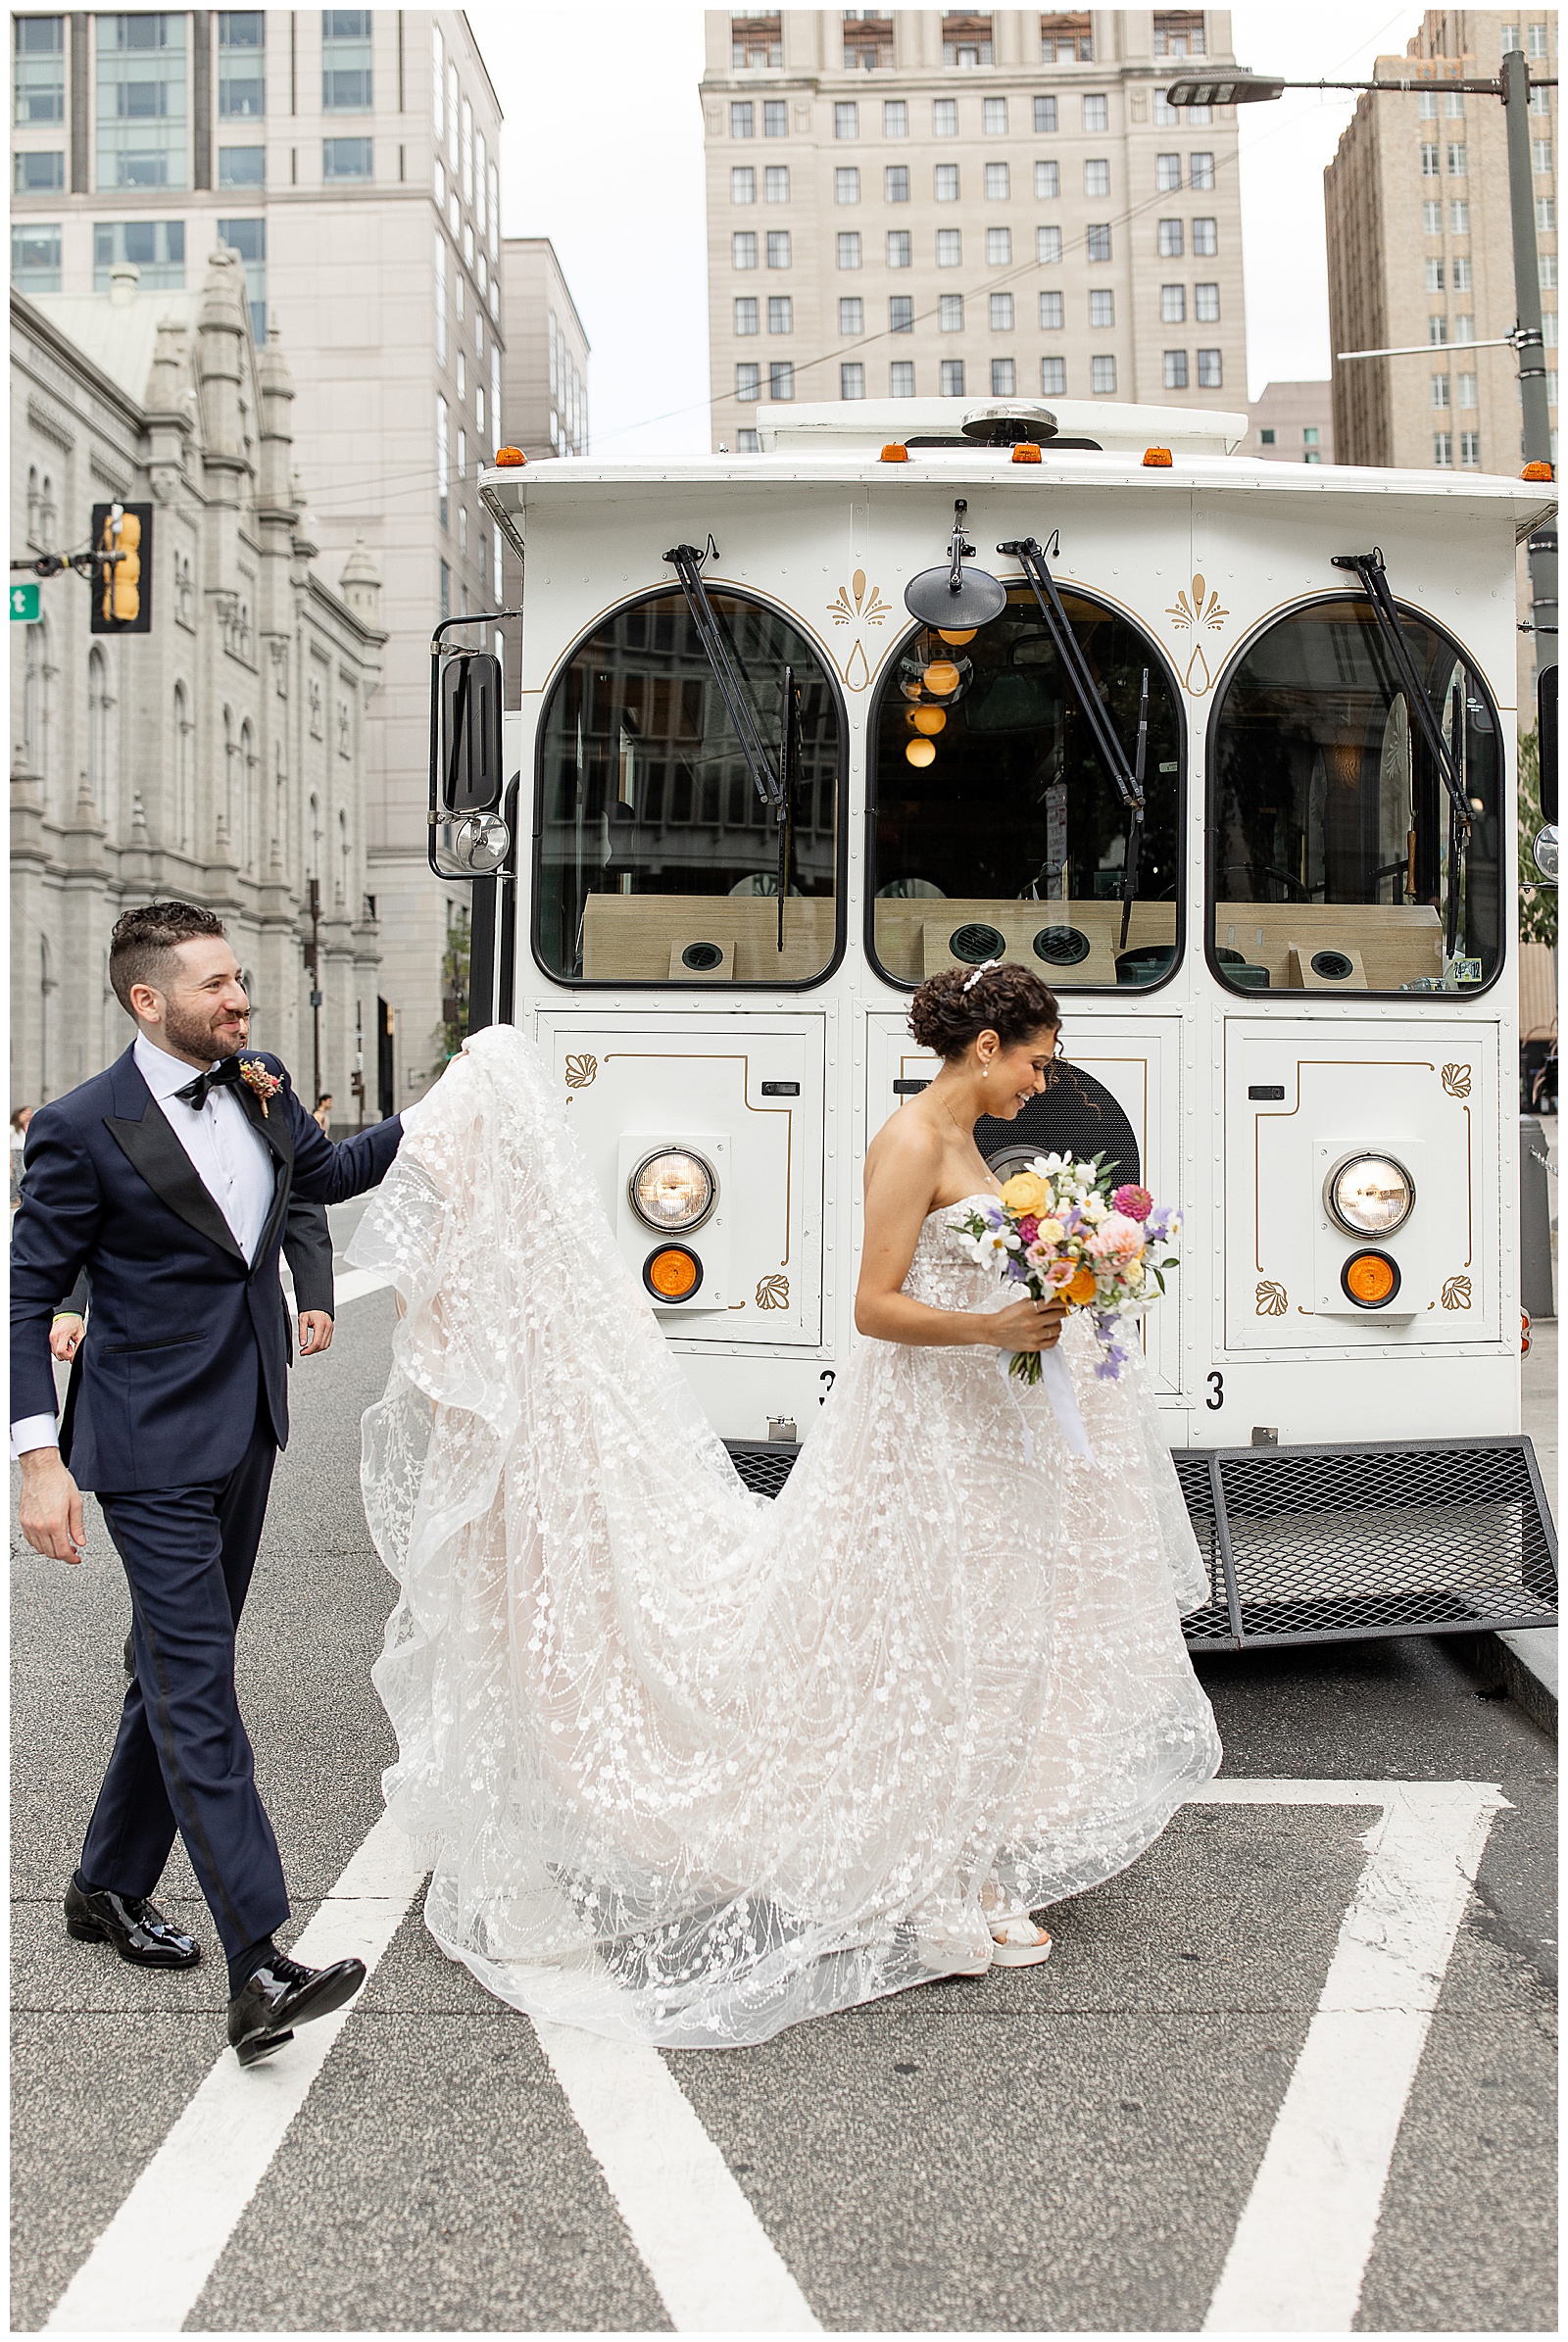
(229, 1157)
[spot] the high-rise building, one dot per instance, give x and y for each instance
(544, 374)
(1291, 422)
(1421, 251)
(350, 157)
(919, 202)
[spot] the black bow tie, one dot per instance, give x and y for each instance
(224, 1075)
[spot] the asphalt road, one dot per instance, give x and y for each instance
(1065, 2148)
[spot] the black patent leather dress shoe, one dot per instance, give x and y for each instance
(136, 1927)
(281, 1995)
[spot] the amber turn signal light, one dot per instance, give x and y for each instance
(1538, 471)
(672, 1272)
(1370, 1280)
(1026, 452)
(893, 453)
(506, 455)
(1156, 459)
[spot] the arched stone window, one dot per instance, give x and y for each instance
(100, 739)
(229, 811)
(183, 808)
(249, 819)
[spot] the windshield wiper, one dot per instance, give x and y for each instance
(1127, 779)
(789, 765)
(745, 720)
(1370, 569)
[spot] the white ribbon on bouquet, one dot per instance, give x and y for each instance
(1056, 1383)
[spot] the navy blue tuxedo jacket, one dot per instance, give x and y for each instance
(186, 1337)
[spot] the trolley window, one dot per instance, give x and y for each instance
(1336, 853)
(657, 862)
(997, 831)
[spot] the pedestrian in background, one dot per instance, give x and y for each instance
(322, 1116)
(18, 1140)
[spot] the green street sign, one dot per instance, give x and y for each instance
(25, 604)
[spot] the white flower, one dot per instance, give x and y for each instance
(1096, 1209)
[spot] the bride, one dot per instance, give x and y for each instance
(689, 1766)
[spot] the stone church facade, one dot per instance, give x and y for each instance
(219, 758)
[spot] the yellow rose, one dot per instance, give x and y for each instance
(1026, 1192)
(1050, 1232)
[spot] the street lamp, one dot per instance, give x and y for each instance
(1513, 87)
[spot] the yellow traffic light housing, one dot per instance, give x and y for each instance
(121, 594)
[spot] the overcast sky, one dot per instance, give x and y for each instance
(603, 153)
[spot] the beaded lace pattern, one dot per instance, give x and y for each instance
(690, 1766)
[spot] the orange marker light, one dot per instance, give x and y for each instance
(927, 719)
(506, 455)
(941, 676)
(956, 634)
(893, 453)
(1026, 452)
(673, 1274)
(1538, 471)
(920, 751)
(1370, 1280)
(1156, 459)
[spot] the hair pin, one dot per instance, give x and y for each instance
(975, 974)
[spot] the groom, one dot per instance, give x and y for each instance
(168, 1178)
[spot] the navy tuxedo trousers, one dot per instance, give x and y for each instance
(182, 1758)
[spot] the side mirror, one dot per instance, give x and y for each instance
(1546, 741)
(472, 780)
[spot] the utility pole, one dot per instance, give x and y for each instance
(1542, 546)
(315, 986)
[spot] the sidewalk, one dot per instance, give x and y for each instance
(1528, 1669)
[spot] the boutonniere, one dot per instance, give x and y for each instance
(261, 1084)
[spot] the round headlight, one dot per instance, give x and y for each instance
(1546, 853)
(672, 1189)
(1369, 1194)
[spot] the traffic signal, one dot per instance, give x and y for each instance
(121, 592)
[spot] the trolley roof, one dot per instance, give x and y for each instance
(841, 443)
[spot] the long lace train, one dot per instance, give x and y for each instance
(690, 1766)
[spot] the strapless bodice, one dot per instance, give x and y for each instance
(942, 1274)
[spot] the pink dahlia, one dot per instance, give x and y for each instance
(1135, 1203)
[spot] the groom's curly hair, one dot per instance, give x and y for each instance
(143, 938)
(956, 1005)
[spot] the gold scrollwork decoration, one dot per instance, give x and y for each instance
(1272, 1299)
(773, 1292)
(1456, 1292)
(855, 601)
(1457, 1080)
(1204, 610)
(581, 1071)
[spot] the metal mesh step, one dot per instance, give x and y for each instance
(1333, 1543)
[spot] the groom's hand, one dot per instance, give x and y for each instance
(315, 1332)
(51, 1512)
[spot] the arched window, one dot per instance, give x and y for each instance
(35, 502)
(36, 671)
(184, 807)
(46, 1020)
(1336, 859)
(657, 861)
(249, 823)
(342, 860)
(279, 807)
(100, 777)
(998, 832)
(229, 811)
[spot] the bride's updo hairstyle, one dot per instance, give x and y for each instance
(956, 1005)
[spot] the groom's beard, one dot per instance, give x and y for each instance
(208, 1035)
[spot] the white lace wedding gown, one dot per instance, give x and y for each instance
(690, 1766)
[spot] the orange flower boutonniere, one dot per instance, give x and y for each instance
(262, 1083)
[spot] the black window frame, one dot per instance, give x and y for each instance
(841, 827)
(1349, 1001)
(1060, 980)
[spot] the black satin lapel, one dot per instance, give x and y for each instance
(152, 1151)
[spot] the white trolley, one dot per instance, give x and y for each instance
(1233, 766)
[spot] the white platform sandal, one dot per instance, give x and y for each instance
(1018, 1943)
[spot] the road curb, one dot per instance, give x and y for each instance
(1521, 1665)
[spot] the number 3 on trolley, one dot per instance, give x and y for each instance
(1216, 1394)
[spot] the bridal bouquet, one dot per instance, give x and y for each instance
(1059, 1231)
